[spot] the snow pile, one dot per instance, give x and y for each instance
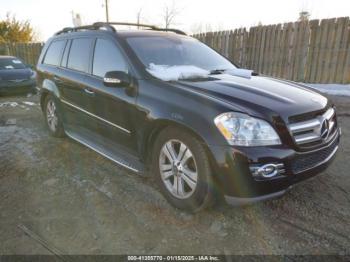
(8, 104)
(332, 89)
(174, 73)
(240, 72)
(28, 103)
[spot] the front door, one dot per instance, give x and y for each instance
(112, 106)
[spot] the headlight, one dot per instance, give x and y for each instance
(244, 130)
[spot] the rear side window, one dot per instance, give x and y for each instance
(107, 57)
(65, 54)
(79, 55)
(54, 53)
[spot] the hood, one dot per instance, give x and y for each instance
(261, 95)
(15, 74)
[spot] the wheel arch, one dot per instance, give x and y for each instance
(48, 88)
(160, 125)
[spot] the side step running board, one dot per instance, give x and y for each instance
(133, 165)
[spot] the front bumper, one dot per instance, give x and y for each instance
(237, 183)
(11, 88)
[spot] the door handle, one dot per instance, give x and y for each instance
(89, 92)
(57, 79)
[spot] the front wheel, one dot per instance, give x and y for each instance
(182, 170)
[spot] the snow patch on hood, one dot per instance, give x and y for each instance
(174, 73)
(240, 72)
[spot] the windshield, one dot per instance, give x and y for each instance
(11, 63)
(183, 53)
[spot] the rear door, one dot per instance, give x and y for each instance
(113, 106)
(74, 97)
(48, 69)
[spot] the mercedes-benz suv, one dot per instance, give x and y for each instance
(165, 105)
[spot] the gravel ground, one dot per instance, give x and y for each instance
(82, 203)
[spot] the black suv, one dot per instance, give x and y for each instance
(160, 103)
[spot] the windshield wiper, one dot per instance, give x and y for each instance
(217, 71)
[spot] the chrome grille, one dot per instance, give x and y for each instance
(313, 130)
(307, 161)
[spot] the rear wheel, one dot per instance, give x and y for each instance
(182, 170)
(53, 117)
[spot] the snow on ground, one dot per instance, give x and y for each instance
(22, 104)
(332, 89)
(7, 104)
(28, 103)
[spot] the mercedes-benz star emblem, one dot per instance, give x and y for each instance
(325, 129)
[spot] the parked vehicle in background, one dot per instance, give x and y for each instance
(16, 77)
(161, 103)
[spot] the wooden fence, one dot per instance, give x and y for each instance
(316, 51)
(28, 52)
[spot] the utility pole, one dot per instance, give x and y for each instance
(139, 14)
(107, 14)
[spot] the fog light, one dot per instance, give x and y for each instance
(267, 170)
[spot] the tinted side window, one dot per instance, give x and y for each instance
(107, 57)
(79, 54)
(54, 53)
(65, 54)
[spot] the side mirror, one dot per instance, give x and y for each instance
(116, 79)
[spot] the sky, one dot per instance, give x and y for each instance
(49, 16)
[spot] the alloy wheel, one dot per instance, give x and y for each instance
(51, 115)
(178, 169)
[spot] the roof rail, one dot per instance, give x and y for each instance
(152, 27)
(108, 26)
(94, 26)
(128, 24)
(177, 31)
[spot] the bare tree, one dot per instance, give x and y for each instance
(170, 13)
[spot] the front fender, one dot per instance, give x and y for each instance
(172, 106)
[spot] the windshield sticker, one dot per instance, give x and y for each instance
(16, 62)
(9, 67)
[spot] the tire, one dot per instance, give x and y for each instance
(53, 118)
(184, 195)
